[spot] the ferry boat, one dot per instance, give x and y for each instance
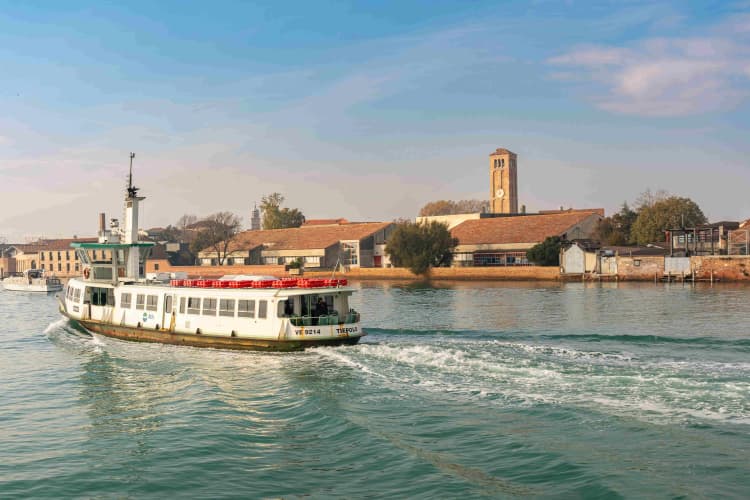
(114, 298)
(32, 280)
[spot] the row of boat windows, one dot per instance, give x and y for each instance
(197, 306)
(226, 307)
(191, 305)
(73, 294)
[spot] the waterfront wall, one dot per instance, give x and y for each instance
(642, 268)
(722, 267)
(520, 273)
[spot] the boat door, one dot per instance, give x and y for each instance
(99, 303)
(167, 319)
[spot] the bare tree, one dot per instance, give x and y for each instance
(450, 207)
(217, 232)
(647, 199)
(183, 223)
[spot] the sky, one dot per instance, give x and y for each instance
(366, 110)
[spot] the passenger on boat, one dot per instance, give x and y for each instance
(288, 307)
(321, 308)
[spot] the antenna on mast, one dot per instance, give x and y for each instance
(132, 190)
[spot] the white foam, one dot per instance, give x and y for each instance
(56, 324)
(611, 383)
(335, 354)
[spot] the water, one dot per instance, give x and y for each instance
(460, 390)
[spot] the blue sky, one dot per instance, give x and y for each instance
(366, 110)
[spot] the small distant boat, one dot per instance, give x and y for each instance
(32, 280)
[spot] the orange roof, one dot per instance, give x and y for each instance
(305, 237)
(517, 229)
(324, 222)
(52, 245)
(502, 151)
(599, 211)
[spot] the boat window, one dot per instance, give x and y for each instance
(99, 296)
(286, 308)
(140, 301)
(262, 309)
(125, 299)
(77, 295)
(209, 307)
(194, 305)
(111, 296)
(168, 304)
(182, 305)
(151, 302)
(246, 308)
(226, 307)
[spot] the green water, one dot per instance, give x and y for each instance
(459, 390)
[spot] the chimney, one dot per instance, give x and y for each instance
(102, 220)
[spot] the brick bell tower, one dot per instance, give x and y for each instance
(503, 182)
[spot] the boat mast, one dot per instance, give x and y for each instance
(130, 233)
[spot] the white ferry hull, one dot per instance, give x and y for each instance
(207, 340)
(169, 322)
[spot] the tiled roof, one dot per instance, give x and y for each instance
(519, 229)
(599, 211)
(635, 251)
(325, 222)
(52, 245)
(305, 237)
(502, 151)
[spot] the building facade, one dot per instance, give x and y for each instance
(503, 182)
(54, 256)
(504, 241)
(321, 246)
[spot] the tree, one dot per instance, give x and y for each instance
(171, 233)
(615, 230)
(421, 246)
(647, 198)
(275, 217)
(183, 223)
(217, 232)
(671, 212)
(546, 253)
(449, 207)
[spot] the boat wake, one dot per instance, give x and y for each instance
(55, 325)
(653, 383)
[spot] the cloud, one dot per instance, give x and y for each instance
(665, 76)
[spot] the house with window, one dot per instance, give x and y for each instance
(504, 240)
(55, 256)
(321, 246)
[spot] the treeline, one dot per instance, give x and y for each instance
(653, 214)
(451, 207)
(217, 230)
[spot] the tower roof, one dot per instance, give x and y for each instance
(502, 151)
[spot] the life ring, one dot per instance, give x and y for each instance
(86, 272)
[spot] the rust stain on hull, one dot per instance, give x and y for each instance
(194, 340)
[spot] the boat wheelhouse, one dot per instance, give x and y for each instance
(32, 280)
(114, 298)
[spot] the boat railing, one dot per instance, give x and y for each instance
(334, 318)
